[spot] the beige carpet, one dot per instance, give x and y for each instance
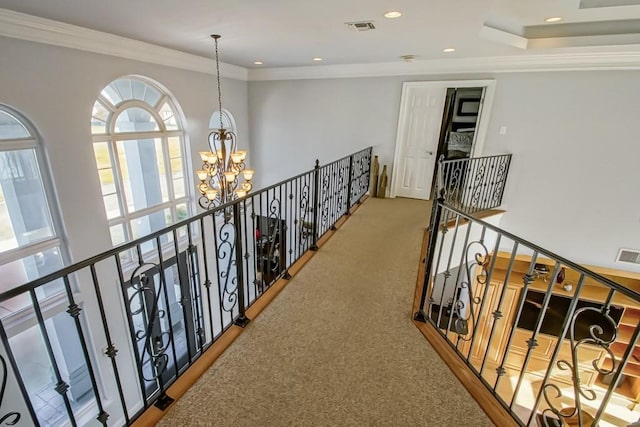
(337, 346)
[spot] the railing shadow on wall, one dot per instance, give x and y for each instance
(113, 332)
(556, 343)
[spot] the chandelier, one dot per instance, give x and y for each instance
(223, 163)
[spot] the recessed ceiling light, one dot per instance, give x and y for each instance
(408, 58)
(317, 58)
(448, 50)
(257, 62)
(553, 19)
(393, 14)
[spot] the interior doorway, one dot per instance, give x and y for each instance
(448, 118)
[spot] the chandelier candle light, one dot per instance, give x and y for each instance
(222, 164)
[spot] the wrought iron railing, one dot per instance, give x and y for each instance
(474, 184)
(555, 342)
(110, 334)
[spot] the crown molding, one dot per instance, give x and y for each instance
(35, 29)
(623, 60)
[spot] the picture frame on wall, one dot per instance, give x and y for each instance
(468, 107)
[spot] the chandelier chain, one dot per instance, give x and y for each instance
(218, 78)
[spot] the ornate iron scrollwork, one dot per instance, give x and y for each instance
(597, 337)
(356, 173)
(360, 175)
(498, 183)
(340, 197)
(13, 417)
(306, 226)
(324, 213)
(227, 263)
(463, 309)
(156, 342)
(454, 181)
(274, 218)
(477, 184)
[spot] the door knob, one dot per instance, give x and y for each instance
(430, 153)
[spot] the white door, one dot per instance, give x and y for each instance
(419, 125)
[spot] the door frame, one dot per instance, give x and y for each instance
(482, 125)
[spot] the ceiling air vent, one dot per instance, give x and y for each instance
(360, 26)
(629, 255)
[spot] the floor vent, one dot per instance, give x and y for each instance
(360, 26)
(629, 255)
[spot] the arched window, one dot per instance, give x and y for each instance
(30, 247)
(29, 241)
(138, 142)
(227, 120)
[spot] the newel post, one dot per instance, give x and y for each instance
(316, 208)
(436, 215)
(242, 319)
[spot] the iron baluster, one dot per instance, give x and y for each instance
(256, 257)
(487, 284)
(454, 304)
(221, 310)
(433, 237)
(184, 300)
(497, 314)
(484, 279)
(316, 206)
(74, 311)
(111, 351)
(447, 273)
(289, 232)
(533, 342)
(504, 179)
(242, 319)
(556, 352)
(526, 281)
(194, 279)
(136, 352)
(635, 338)
(163, 288)
(349, 184)
(207, 281)
(61, 386)
(445, 230)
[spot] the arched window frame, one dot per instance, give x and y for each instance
(177, 201)
(34, 142)
(214, 125)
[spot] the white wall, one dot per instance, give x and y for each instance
(573, 185)
(295, 122)
(56, 88)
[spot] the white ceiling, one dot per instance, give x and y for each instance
(289, 33)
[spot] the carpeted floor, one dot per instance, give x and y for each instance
(337, 347)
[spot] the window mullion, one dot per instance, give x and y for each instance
(108, 105)
(18, 144)
(117, 176)
(16, 254)
(159, 103)
(168, 171)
